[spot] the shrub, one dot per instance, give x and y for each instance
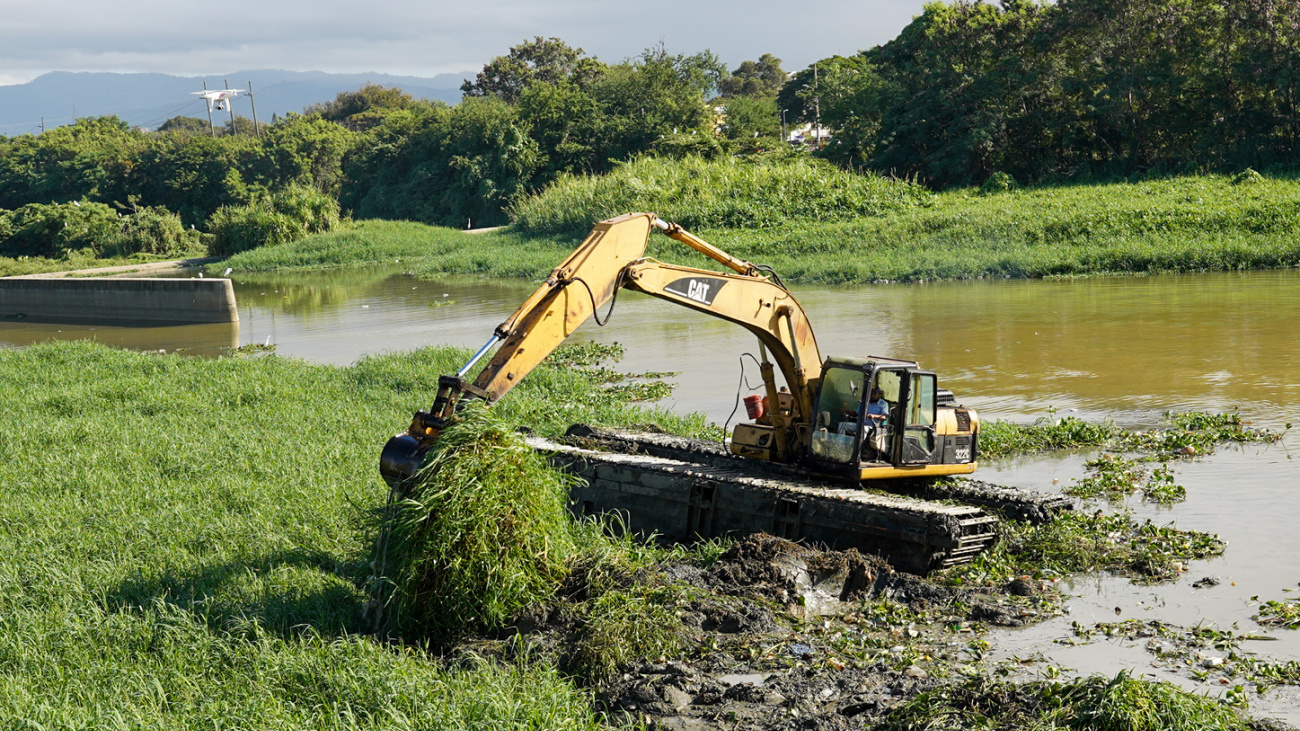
(999, 183)
(240, 228)
(283, 217)
(763, 192)
(154, 230)
(52, 230)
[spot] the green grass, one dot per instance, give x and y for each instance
(185, 544)
(1193, 223)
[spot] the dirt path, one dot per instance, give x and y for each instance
(126, 269)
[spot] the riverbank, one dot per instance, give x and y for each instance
(1194, 223)
(223, 570)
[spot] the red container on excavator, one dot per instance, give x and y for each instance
(754, 406)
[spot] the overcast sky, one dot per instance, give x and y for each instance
(409, 37)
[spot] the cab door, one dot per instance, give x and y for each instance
(837, 421)
(916, 440)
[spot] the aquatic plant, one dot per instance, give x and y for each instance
(1095, 703)
(1115, 478)
(1082, 543)
(1186, 434)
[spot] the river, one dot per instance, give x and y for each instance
(1125, 348)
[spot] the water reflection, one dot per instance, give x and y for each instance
(205, 339)
(1128, 348)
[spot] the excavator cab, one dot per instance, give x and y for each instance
(901, 432)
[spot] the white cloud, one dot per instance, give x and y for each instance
(420, 38)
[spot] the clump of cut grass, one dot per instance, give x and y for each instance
(723, 193)
(480, 535)
(621, 626)
(1095, 703)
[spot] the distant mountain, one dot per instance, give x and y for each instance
(148, 100)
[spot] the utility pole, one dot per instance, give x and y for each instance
(256, 130)
(230, 106)
(211, 126)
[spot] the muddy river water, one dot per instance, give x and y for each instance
(1127, 349)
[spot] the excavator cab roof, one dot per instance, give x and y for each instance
(865, 364)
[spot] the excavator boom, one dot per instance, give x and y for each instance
(612, 257)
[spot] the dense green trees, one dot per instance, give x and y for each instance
(1030, 89)
(55, 230)
(1054, 91)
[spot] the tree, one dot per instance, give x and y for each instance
(758, 79)
(541, 60)
(303, 150)
(569, 126)
(445, 165)
(657, 94)
(80, 160)
(241, 125)
(192, 176)
(363, 108)
(185, 126)
(752, 123)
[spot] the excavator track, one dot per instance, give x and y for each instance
(1005, 502)
(686, 500)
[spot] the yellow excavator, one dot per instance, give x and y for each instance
(852, 419)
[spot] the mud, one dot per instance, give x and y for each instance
(777, 635)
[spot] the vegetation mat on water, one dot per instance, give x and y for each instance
(1185, 434)
(1074, 543)
(1204, 653)
(1096, 703)
(481, 533)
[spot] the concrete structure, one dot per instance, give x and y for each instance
(117, 300)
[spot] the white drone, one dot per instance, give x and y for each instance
(218, 99)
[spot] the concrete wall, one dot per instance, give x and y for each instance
(117, 300)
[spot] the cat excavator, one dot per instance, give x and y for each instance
(825, 420)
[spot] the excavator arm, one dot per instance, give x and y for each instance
(609, 259)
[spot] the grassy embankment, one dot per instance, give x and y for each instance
(816, 225)
(185, 544)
